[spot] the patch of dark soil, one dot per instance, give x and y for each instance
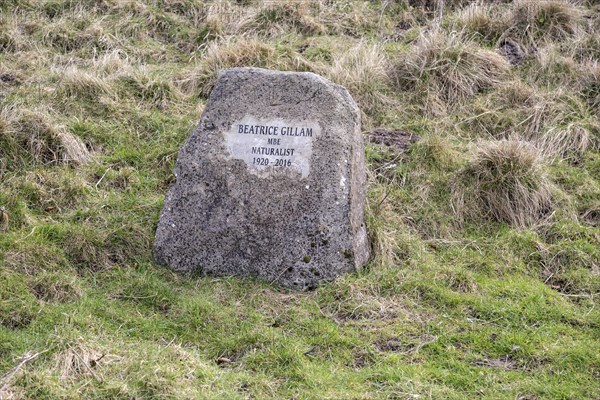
(503, 362)
(410, 345)
(229, 360)
(363, 359)
(392, 345)
(396, 139)
(225, 361)
(513, 51)
(591, 216)
(7, 77)
(16, 319)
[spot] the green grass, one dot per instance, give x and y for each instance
(448, 308)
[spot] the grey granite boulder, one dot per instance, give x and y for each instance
(270, 184)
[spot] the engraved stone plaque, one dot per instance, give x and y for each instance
(270, 145)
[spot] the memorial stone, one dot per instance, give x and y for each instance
(270, 184)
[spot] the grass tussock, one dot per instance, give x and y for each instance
(30, 137)
(568, 142)
(74, 82)
(559, 68)
(55, 287)
(112, 63)
(590, 85)
(363, 70)
(544, 19)
(78, 361)
(560, 124)
(451, 66)
(355, 19)
(506, 182)
(143, 85)
(228, 54)
(278, 18)
(12, 37)
(242, 52)
(531, 22)
(484, 19)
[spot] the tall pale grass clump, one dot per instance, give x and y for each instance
(363, 70)
(12, 38)
(149, 87)
(566, 142)
(556, 67)
(590, 82)
(353, 18)
(558, 123)
(432, 5)
(74, 82)
(525, 20)
(450, 65)
(29, 136)
(235, 52)
(77, 361)
(115, 62)
(192, 10)
(278, 18)
(488, 20)
(544, 19)
(505, 182)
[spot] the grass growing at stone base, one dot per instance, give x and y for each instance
(499, 302)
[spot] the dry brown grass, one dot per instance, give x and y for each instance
(236, 52)
(591, 214)
(383, 235)
(559, 123)
(148, 87)
(227, 54)
(505, 182)
(11, 392)
(31, 136)
(566, 142)
(556, 68)
(363, 70)
(87, 36)
(544, 19)
(113, 62)
(75, 82)
(488, 20)
(194, 10)
(275, 19)
(51, 287)
(224, 18)
(585, 46)
(12, 37)
(78, 361)
(349, 18)
(535, 22)
(31, 258)
(590, 84)
(451, 66)
(436, 4)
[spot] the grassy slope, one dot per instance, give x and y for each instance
(447, 309)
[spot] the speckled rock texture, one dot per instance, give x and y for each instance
(270, 184)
